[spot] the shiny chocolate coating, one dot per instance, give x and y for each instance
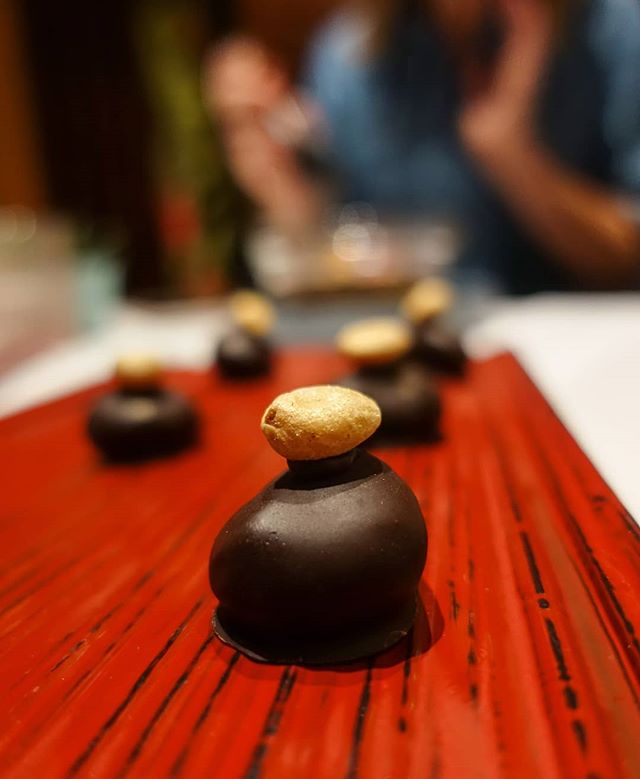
(242, 355)
(439, 349)
(322, 566)
(408, 399)
(137, 425)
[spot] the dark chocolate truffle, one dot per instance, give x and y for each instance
(323, 565)
(407, 397)
(141, 420)
(242, 355)
(434, 346)
(245, 352)
(439, 349)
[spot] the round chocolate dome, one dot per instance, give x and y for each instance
(131, 426)
(439, 349)
(141, 419)
(323, 565)
(243, 355)
(245, 352)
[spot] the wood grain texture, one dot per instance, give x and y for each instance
(526, 662)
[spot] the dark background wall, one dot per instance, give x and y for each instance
(92, 122)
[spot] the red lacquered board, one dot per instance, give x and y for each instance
(525, 662)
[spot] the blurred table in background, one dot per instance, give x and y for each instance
(583, 352)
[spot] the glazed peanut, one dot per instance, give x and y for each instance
(426, 300)
(312, 423)
(252, 312)
(138, 372)
(374, 341)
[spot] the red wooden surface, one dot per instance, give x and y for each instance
(525, 664)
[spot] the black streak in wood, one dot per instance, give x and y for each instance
(179, 762)
(580, 733)
(556, 646)
(272, 723)
(532, 563)
(180, 681)
(140, 681)
(604, 579)
(570, 697)
(358, 728)
(406, 670)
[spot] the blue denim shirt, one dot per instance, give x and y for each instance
(393, 140)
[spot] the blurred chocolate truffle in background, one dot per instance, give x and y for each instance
(140, 419)
(245, 352)
(407, 396)
(323, 565)
(424, 306)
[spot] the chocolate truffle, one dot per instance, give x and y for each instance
(323, 565)
(439, 349)
(245, 352)
(434, 346)
(141, 420)
(405, 392)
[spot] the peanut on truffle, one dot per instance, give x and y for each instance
(427, 300)
(138, 372)
(312, 423)
(252, 312)
(375, 341)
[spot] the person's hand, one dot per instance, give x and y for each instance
(247, 92)
(500, 113)
(242, 81)
(242, 84)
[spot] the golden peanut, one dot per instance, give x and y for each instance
(252, 312)
(138, 372)
(427, 299)
(375, 341)
(312, 423)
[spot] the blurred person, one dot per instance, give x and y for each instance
(518, 118)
